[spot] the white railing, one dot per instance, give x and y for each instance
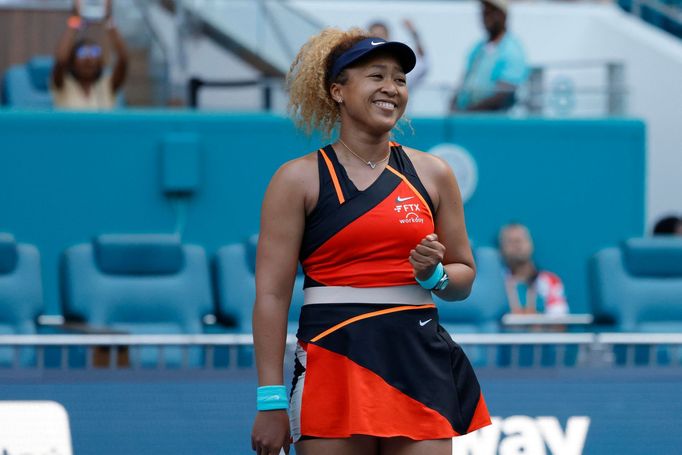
(215, 351)
(246, 339)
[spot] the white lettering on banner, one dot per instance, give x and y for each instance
(516, 435)
(481, 442)
(523, 437)
(572, 442)
(34, 427)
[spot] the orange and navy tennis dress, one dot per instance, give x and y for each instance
(371, 357)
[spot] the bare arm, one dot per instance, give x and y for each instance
(502, 98)
(452, 233)
(121, 66)
(450, 244)
(63, 52)
(415, 36)
(282, 224)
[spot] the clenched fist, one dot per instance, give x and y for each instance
(426, 256)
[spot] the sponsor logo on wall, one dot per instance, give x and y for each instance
(517, 435)
(463, 165)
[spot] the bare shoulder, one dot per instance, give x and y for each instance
(299, 171)
(428, 166)
(297, 180)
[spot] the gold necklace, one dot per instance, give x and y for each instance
(368, 163)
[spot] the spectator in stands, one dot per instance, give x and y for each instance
(79, 79)
(669, 225)
(417, 75)
(496, 66)
(529, 290)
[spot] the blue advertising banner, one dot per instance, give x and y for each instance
(580, 411)
(536, 411)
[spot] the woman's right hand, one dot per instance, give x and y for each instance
(270, 433)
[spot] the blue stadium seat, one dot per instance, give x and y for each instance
(639, 284)
(139, 284)
(21, 295)
(235, 268)
(28, 85)
(482, 311)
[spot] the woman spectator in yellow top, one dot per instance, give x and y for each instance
(79, 79)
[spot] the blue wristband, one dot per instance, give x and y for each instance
(271, 397)
(433, 280)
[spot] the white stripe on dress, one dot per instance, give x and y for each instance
(402, 295)
(297, 397)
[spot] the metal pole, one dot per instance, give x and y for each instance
(267, 96)
(535, 89)
(193, 91)
(616, 92)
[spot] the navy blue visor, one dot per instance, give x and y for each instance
(399, 50)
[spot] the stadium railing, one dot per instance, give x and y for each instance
(221, 351)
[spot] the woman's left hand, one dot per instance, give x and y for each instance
(426, 256)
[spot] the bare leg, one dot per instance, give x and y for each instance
(406, 446)
(355, 445)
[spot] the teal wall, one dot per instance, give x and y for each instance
(65, 177)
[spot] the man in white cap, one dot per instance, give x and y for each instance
(496, 66)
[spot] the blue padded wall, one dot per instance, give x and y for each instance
(65, 177)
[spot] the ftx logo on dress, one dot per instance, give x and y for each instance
(408, 210)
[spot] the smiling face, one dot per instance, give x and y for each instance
(374, 94)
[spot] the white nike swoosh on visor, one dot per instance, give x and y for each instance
(376, 44)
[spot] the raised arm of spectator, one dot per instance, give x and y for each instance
(415, 37)
(121, 66)
(64, 47)
(418, 74)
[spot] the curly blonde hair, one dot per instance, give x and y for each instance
(308, 80)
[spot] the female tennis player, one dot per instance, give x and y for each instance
(377, 228)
